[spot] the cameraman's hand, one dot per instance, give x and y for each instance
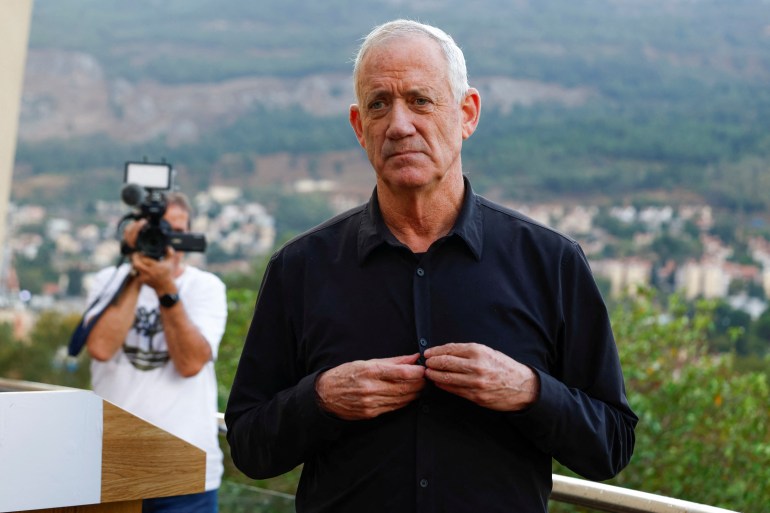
(158, 274)
(131, 232)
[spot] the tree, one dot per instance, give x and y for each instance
(42, 357)
(296, 213)
(761, 331)
(677, 248)
(731, 328)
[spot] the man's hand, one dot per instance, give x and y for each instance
(366, 389)
(480, 374)
(131, 232)
(158, 274)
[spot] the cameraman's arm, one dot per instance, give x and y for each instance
(110, 330)
(187, 347)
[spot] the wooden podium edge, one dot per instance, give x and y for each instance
(140, 460)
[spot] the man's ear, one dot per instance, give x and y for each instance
(471, 110)
(355, 122)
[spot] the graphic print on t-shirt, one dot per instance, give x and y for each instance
(144, 356)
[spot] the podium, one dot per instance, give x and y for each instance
(65, 450)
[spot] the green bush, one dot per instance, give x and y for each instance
(41, 356)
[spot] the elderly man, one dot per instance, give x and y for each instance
(429, 351)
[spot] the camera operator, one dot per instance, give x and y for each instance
(153, 348)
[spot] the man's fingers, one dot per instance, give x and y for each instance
(459, 349)
(444, 362)
(366, 389)
(482, 375)
(408, 359)
(397, 368)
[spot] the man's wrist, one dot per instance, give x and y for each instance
(533, 388)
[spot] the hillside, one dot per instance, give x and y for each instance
(608, 97)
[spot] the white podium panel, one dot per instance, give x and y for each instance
(50, 449)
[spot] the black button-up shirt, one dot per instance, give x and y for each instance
(348, 290)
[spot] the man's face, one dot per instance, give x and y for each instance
(179, 221)
(177, 218)
(407, 119)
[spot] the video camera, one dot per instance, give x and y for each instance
(144, 189)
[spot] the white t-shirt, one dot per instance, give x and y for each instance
(140, 377)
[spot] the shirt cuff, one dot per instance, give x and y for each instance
(312, 415)
(541, 417)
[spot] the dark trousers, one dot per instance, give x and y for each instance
(205, 502)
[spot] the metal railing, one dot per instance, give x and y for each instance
(602, 497)
(588, 494)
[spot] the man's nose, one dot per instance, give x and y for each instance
(401, 122)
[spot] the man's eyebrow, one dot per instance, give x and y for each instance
(376, 93)
(410, 93)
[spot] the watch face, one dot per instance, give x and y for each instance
(168, 300)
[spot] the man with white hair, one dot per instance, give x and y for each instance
(429, 351)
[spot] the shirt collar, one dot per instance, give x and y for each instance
(373, 232)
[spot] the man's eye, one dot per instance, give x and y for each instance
(376, 105)
(422, 102)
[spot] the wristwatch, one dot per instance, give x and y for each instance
(168, 300)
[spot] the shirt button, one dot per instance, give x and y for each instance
(423, 342)
(424, 483)
(425, 408)
(420, 271)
